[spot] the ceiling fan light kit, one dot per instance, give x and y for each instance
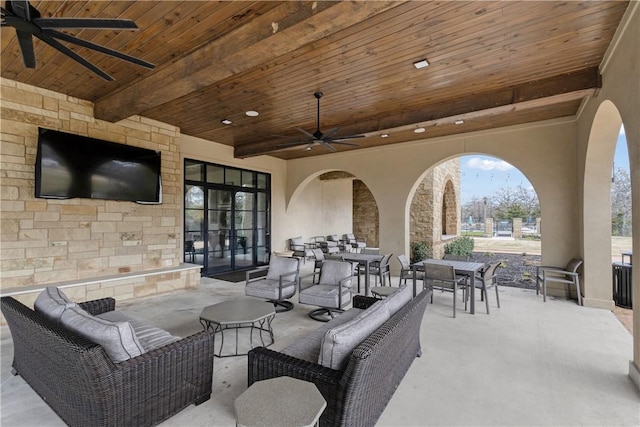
(28, 23)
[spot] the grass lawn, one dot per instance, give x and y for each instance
(498, 244)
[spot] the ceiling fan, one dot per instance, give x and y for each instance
(318, 138)
(27, 21)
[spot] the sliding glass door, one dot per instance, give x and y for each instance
(229, 228)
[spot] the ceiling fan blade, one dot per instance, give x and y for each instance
(350, 144)
(86, 23)
(328, 146)
(331, 132)
(55, 44)
(306, 133)
(26, 47)
(342, 138)
(97, 47)
(21, 8)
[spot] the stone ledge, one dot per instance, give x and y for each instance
(98, 280)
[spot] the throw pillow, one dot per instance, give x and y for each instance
(339, 342)
(52, 302)
(118, 339)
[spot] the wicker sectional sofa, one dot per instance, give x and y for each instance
(358, 383)
(83, 384)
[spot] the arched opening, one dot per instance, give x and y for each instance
(333, 202)
(597, 252)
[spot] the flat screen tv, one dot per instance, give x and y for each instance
(72, 166)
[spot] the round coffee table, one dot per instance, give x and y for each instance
(238, 314)
(281, 401)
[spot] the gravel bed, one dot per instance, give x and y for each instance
(517, 270)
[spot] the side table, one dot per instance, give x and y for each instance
(282, 401)
(237, 314)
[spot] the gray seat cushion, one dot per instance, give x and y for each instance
(269, 289)
(52, 302)
(324, 296)
(308, 347)
(149, 336)
(118, 339)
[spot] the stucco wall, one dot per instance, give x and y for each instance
(617, 102)
(527, 147)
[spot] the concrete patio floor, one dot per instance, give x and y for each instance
(527, 363)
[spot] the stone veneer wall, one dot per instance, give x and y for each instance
(365, 215)
(47, 241)
(426, 214)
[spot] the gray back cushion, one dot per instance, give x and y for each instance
(282, 265)
(118, 339)
(398, 299)
(333, 272)
(297, 241)
(339, 342)
(52, 302)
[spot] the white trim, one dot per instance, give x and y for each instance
(96, 280)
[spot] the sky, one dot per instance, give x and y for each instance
(484, 175)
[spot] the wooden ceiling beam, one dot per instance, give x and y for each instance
(531, 95)
(278, 32)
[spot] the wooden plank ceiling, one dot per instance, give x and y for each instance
(491, 64)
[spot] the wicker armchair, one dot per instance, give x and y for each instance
(77, 379)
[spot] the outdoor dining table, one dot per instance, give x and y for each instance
(465, 268)
(364, 260)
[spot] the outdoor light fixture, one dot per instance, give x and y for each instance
(458, 122)
(423, 63)
(252, 113)
(226, 121)
(419, 130)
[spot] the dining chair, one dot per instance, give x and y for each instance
(486, 280)
(319, 258)
(567, 275)
(443, 277)
(452, 257)
(406, 273)
(381, 269)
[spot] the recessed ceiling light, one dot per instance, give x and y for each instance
(423, 63)
(384, 135)
(458, 122)
(226, 121)
(252, 113)
(419, 130)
